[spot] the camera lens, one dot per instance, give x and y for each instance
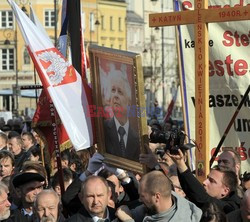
(158, 136)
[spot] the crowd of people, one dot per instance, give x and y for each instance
(31, 188)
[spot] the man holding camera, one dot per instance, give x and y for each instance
(159, 203)
(219, 187)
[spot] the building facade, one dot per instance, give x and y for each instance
(119, 24)
(104, 23)
(159, 54)
(16, 68)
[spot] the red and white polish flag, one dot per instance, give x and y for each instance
(60, 79)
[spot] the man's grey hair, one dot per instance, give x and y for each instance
(115, 73)
(3, 188)
(44, 192)
(4, 137)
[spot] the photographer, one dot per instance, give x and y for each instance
(219, 187)
(159, 203)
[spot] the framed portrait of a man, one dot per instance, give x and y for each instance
(119, 106)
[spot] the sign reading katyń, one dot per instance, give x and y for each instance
(229, 74)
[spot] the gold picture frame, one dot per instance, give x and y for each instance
(119, 102)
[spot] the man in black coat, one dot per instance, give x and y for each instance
(121, 138)
(28, 140)
(94, 197)
(16, 147)
(28, 186)
(126, 188)
(219, 187)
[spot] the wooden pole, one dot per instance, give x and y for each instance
(201, 92)
(243, 100)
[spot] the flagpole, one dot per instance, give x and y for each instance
(183, 84)
(243, 100)
(55, 12)
(35, 84)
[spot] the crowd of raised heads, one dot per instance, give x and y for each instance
(88, 189)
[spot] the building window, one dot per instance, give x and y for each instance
(120, 23)
(83, 21)
(6, 19)
(120, 47)
(7, 59)
(102, 22)
(26, 57)
(111, 23)
(111, 46)
(49, 16)
(92, 22)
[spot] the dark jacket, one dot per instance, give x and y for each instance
(70, 199)
(19, 160)
(234, 216)
(7, 220)
(72, 203)
(61, 218)
(197, 194)
(17, 216)
(130, 196)
(112, 141)
(83, 215)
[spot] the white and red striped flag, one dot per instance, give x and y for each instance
(171, 106)
(60, 79)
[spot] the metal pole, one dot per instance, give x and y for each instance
(97, 26)
(55, 11)
(97, 34)
(90, 26)
(152, 73)
(17, 108)
(162, 63)
(244, 98)
(35, 84)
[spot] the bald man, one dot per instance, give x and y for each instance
(159, 202)
(95, 195)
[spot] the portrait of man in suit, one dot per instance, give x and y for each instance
(120, 131)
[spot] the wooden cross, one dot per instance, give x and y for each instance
(200, 17)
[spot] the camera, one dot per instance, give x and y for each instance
(173, 140)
